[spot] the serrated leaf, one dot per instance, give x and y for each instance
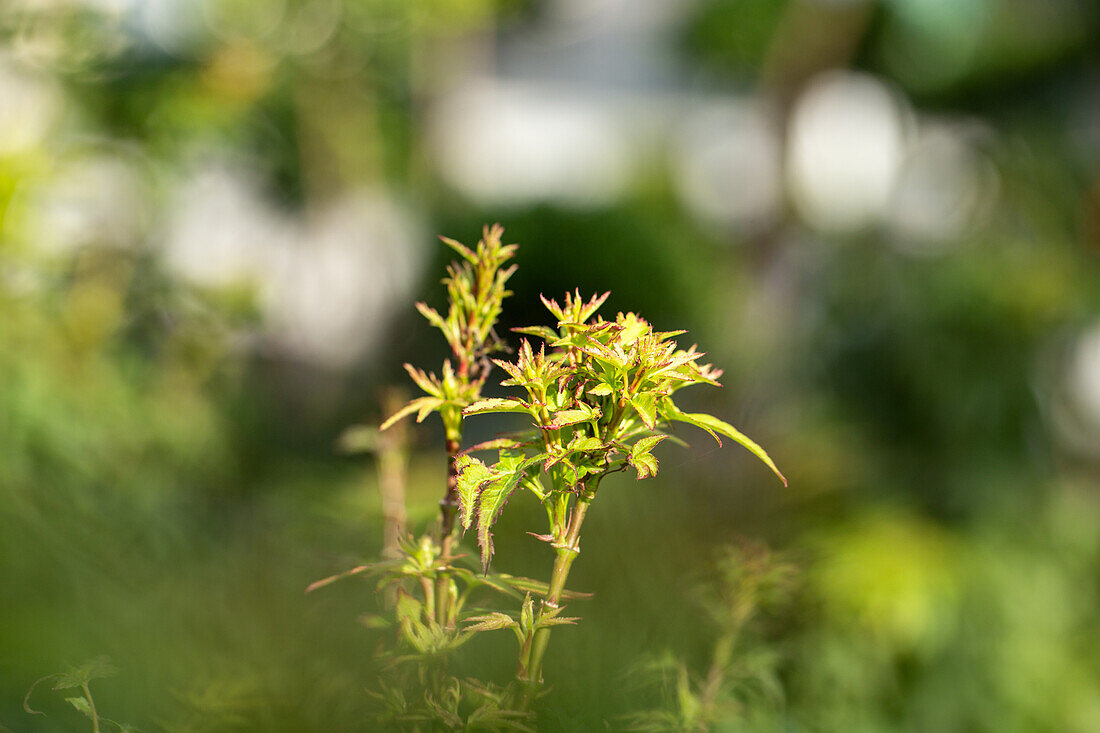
(641, 457)
(494, 495)
(538, 587)
(543, 332)
(565, 418)
(495, 444)
(645, 464)
(491, 622)
(80, 704)
(715, 426)
(647, 444)
(495, 404)
(586, 444)
(600, 390)
(646, 407)
(472, 476)
(559, 621)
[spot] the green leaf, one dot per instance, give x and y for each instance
(538, 587)
(494, 495)
(495, 444)
(600, 390)
(407, 608)
(586, 444)
(472, 476)
(80, 704)
(713, 426)
(565, 418)
(558, 621)
(69, 680)
(340, 576)
(645, 464)
(543, 332)
(428, 383)
(423, 406)
(647, 444)
(432, 315)
(491, 622)
(495, 404)
(646, 406)
(97, 668)
(462, 249)
(641, 457)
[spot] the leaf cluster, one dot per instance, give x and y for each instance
(476, 289)
(417, 567)
(599, 397)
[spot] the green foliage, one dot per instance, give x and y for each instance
(741, 681)
(79, 678)
(475, 293)
(599, 401)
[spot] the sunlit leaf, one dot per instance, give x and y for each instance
(423, 406)
(461, 249)
(495, 404)
(565, 418)
(544, 332)
(472, 476)
(494, 495)
(646, 407)
(714, 426)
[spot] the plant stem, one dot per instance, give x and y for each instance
(448, 507)
(530, 669)
(91, 707)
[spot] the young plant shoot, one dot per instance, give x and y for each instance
(599, 397)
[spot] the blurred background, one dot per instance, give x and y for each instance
(880, 217)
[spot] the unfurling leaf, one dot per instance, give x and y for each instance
(641, 457)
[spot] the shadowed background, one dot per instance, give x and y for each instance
(881, 218)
